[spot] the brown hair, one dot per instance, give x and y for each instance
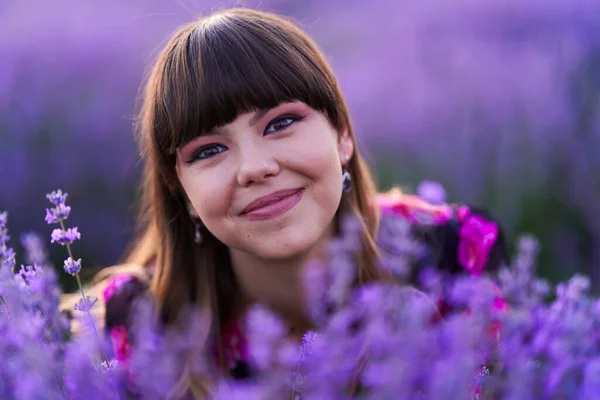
(209, 72)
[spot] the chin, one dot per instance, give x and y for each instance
(286, 250)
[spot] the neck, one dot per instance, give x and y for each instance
(277, 284)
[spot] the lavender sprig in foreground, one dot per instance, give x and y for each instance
(31, 366)
(7, 254)
(65, 237)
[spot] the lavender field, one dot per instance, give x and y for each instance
(499, 100)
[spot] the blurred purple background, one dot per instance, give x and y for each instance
(496, 99)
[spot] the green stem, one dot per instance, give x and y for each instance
(79, 284)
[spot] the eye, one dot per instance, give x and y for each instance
(207, 151)
(280, 123)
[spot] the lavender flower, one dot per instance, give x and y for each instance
(342, 262)
(432, 192)
(85, 304)
(400, 248)
(72, 267)
(482, 377)
(88, 378)
(57, 214)
(379, 341)
(107, 367)
(265, 333)
(316, 279)
(245, 391)
(7, 254)
(161, 355)
(590, 387)
(65, 237)
(308, 341)
(32, 335)
(35, 251)
(57, 197)
(8, 258)
(27, 274)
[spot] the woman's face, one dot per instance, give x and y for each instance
(270, 182)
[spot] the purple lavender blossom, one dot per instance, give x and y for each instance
(57, 214)
(590, 388)
(375, 341)
(27, 274)
(342, 262)
(432, 192)
(107, 367)
(245, 391)
(401, 249)
(161, 355)
(35, 251)
(7, 254)
(315, 280)
(32, 335)
(85, 304)
(86, 377)
(57, 197)
(265, 332)
(72, 267)
(65, 237)
(308, 341)
(482, 378)
(8, 258)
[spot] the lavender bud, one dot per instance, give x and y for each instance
(57, 214)
(65, 237)
(57, 197)
(85, 305)
(432, 192)
(72, 267)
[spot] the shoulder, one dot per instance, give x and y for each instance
(456, 238)
(119, 293)
(413, 209)
(119, 282)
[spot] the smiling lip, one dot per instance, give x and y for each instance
(272, 205)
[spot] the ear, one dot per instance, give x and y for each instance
(177, 168)
(190, 208)
(345, 147)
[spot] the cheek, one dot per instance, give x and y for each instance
(207, 193)
(327, 177)
(323, 169)
(317, 159)
(328, 189)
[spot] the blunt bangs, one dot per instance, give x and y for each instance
(232, 64)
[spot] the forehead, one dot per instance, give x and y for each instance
(211, 78)
(253, 117)
(250, 118)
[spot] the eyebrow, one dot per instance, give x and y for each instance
(214, 131)
(258, 115)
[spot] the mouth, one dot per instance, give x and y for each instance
(272, 205)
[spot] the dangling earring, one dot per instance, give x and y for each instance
(197, 234)
(346, 181)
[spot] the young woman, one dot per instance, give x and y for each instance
(251, 163)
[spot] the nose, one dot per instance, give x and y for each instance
(256, 165)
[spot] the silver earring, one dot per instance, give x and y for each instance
(197, 234)
(346, 181)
